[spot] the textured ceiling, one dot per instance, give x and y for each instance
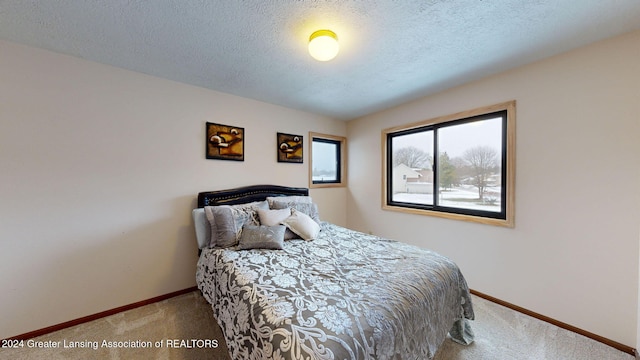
(391, 51)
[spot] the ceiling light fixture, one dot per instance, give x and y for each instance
(323, 45)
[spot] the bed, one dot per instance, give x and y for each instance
(326, 292)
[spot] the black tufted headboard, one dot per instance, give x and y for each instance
(247, 194)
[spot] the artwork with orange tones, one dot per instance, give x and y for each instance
(225, 142)
(290, 148)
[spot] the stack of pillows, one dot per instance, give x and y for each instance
(257, 225)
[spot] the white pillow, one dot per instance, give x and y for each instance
(310, 209)
(273, 217)
(301, 224)
(203, 230)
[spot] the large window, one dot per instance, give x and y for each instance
(458, 166)
(327, 167)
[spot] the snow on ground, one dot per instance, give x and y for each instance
(448, 198)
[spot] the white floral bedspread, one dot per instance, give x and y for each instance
(345, 295)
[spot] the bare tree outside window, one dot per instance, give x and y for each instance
(483, 161)
(413, 157)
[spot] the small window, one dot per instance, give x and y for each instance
(458, 166)
(327, 161)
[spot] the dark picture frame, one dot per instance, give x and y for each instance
(290, 148)
(224, 142)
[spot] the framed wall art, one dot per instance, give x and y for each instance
(290, 148)
(225, 142)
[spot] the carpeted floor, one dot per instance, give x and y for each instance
(179, 328)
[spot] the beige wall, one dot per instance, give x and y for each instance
(99, 169)
(573, 254)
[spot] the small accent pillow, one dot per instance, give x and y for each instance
(275, 217)
(301, 224)
(310, 209)
(261, 237)
(226, 221)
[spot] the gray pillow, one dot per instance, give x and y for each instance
(226, 221)
(261, 237)
(292, 199)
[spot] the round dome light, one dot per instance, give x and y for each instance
(323, 45)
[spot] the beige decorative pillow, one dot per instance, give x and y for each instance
(276, 217)
(273, 217)
(310, 209)
(301, 224)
